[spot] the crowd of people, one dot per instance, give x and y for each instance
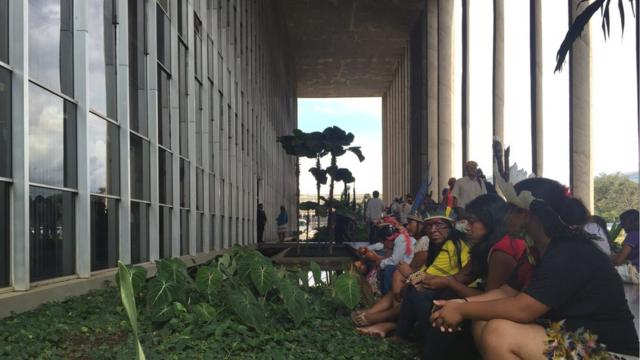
(491, 272)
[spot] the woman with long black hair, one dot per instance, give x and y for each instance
(573, 282)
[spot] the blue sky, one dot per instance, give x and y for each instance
(362, 117)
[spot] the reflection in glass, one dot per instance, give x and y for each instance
(102, 57)
(199, 244)
(163, 27)
(137, 68)
(104, 233)
(212, 233)
(165, 232)
(197, 51)
(52, 246)
(139, 163)
(139, 232)
(199, 189)
(183, 101)
(164, 111)
(5, 241)
(185, 182)
(52, 139)
(165, 177)
(184, 232)
(5, 123)
(199, 124)
(212, 193)
(210, 62)
(4, 31)
(51, 44)
(104, 159)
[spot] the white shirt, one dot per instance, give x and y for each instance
(467, 189)
(405, 209)
(601, 241)
(399, 252)
(422, 244)
(375, 207)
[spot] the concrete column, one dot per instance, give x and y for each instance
(191, 129)
(122, 59)
(445, 90)
(19, 60)
(174, 91)
(498, 69)
(465, 81)
(535, 32)
(580, 114)
(432, 91)
(81, 92)
(152, 123)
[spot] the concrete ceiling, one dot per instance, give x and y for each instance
(348, 48)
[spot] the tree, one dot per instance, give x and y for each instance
(614, 193)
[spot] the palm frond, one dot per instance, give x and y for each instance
(575, 30)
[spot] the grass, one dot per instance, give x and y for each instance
(95, 326)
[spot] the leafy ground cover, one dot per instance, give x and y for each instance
(218, 311)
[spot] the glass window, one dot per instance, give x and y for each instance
(212, 233)
(5, 240)
(5, 123)
(102, 57)
(185, 182)
(52, 245)
(104, 158)
(220, 72)
(139, 232)
(199, 244)
(164, 109)
(212, 193)
(199, 189)
(52, 139)
(197, 51)
(137, 68)
(139, 163)
(163, 33)
(183, 101)
(199, 124)
(182, 18)
(104, 233)
(210, 58)
(184, 232)
(165, 177)
(51, 44)
(165, 232)
(164, 5)
(4, 31)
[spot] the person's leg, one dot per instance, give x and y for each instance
(385, 303)
(504, 339)
(440, 345)
(381, 329)
(415, 305)
(477, 328)
(398, 281)
(387, 278)
(390, 314)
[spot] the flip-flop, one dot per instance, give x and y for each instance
(358, 318)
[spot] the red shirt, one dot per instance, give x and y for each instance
(517, 249)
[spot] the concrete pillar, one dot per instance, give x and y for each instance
(431, 7)
(465, 81)
(174, 90)
(445, 90)
(152, 123)
(535, 32)
(498, 69)
(580, 114)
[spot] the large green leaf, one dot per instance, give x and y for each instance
(127, 295)
(317, 273)
(344, 175)
(357, 151)
(174, 270)
(161, 291)
(227, 265)
(263, 276)
(295, 301)
(138, 278)
(246, 266)
(248, 309)
(319, 174)
(348, 290)
(205, 312)
(208, 280)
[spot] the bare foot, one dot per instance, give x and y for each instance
(379, 330)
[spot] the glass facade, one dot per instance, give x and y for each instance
(104, 160)
(51, 44)
(164, 109)
(165, 177)
(139, 172)
(52, 247)
(185, 184)
(5, 123)
(5, 239)
(102, 57)
(183, 100)
(4, 31)
(199, 243)
(137, 68)
(104, 233)
(164, 235)
(52, 139)
(184, 232)
(139, 232)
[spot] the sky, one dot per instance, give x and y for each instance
(614, 99)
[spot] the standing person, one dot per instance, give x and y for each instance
(262, 222)
(629, 222)
(405, 209)
(282, 220)
(395, 207)
(373, 213)
(469, 186)
(447, 194)
(490, 188)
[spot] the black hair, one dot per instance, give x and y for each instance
(491, 211)
(554, 207)
(456, 237)
(632, 216)
(376, 193)
(575, 212)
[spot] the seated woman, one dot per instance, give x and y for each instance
(494, 256)
(573, 282)
(447, 253)
(629, 252)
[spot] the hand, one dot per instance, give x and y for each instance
(437, 282)
(362, 251)
(416, 278)
(447, 315)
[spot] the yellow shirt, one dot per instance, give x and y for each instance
(446, 262)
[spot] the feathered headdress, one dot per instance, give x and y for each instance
(505, 177)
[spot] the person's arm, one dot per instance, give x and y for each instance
(419, 259)
(398, 253)
(621, 257)
(502, 292)
(375, 247)
(449, 282)
(501, 266)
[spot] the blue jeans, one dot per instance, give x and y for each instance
(386, 278)
(416, 307)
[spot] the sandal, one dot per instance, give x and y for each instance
(358, 318)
